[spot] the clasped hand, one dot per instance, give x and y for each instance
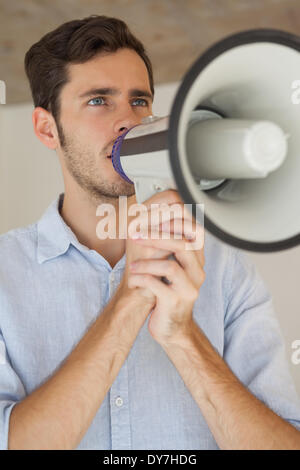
(172, 316)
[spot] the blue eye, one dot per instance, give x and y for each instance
(144, 101)
(96, 99)
(99, 101)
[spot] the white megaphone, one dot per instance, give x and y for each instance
(231, 142)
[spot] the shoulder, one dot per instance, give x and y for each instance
(20, 234)
(18, 244)
(18, 267)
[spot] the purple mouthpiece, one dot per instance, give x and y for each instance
(115, 156)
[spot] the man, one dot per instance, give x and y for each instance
(97, 355)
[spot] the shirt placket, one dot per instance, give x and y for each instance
(119, 404)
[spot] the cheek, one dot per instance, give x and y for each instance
(96, 125)
(92, 132)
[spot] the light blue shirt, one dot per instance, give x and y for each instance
(52, 288)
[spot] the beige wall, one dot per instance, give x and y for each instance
(30, 179)
(30, 173)
(174, 32)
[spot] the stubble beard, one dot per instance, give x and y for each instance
(81, 163)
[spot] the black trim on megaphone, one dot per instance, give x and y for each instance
(238, 39)
(144, 144)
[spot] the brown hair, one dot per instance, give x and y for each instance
(74, 42)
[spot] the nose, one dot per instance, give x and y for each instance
(125, 121)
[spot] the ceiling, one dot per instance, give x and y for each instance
(174, 32)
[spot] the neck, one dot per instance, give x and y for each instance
(80, 214)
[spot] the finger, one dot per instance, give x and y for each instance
(179, 227)
(188, 229)
(159, 213)
(170, 196)
(146, 252)
(193, 265)
(153, 217)
(169, 268)
(162, 240)
(192, 261)
(158, 288)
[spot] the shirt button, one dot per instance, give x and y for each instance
(119, 401)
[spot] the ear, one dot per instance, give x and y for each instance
(45, 127)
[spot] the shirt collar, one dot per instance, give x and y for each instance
(55, 237)
(52, 236)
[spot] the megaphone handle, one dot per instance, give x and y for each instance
(163, 278)
(145, 187)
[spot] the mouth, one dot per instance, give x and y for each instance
(108, 156)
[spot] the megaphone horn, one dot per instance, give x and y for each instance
(230, 142)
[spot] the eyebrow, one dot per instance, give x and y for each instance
(135, 92)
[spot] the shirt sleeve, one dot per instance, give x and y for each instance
(11, 392)
(254, 347)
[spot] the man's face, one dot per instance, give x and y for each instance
(103, 97)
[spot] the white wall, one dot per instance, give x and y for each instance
(30, 173)
(30, 179)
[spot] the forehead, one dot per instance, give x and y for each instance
(123, 69)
